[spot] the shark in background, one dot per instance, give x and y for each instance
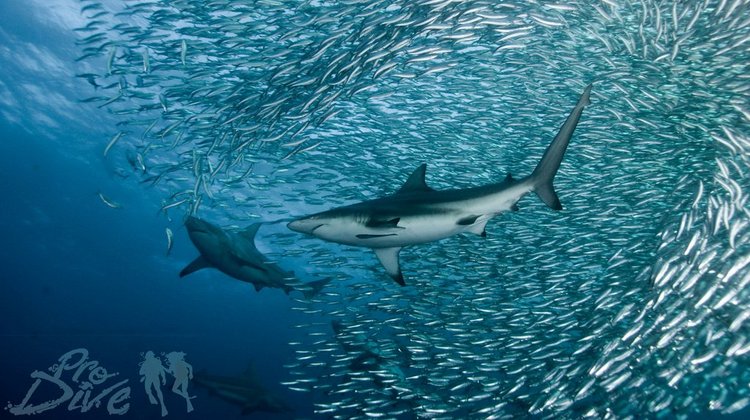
(417, 214)
(245, 391)
(235, 254)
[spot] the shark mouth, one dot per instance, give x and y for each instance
(316, 227)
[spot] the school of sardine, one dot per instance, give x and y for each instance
(631, 302)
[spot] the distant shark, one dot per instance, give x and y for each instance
(365, 356)
(235, 254)
(365, 353)
(245, 391)
(417, 214)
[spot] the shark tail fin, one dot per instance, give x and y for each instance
(545, 171)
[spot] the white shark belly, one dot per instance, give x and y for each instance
(412, 231)
(421, 231)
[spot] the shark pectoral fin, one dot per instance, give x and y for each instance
(197, 264)
(389, 259)
(258, 287)
(416, 181)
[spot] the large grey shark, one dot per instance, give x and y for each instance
(417, 214)
(235, 254)
(245, 391)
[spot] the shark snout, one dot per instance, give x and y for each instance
(306, 225)
(194, 224)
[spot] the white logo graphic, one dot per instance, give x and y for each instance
(154, 375)
(75, 370)
(83, 384)
(182, 372)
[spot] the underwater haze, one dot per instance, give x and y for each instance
(123, 119)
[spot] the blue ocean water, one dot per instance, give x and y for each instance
(77, 274)
(595, 311)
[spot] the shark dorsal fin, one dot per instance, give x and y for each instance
(250, 231)
(416, 181)
(389, 258)
(243, 245)
(250, 372)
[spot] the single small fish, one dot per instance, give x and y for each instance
(109, 202)
(110, 60)
(146, 61)
(112, 142)
(170, 242)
